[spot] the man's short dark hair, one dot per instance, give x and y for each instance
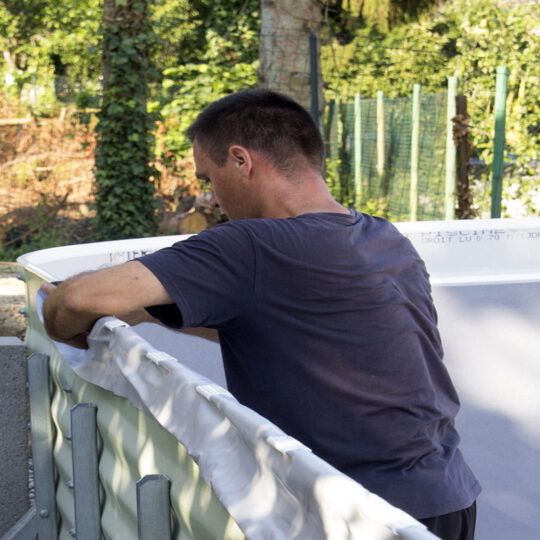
(262, 120)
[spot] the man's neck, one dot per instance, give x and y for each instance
(284, 196)
(306, 194)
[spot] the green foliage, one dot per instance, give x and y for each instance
(227, 61)
(50, 51)
(345, 18)
(124, 193)
(203, 49)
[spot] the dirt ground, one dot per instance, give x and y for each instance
(12, 299)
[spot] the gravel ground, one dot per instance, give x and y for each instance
(13, 323)
(12, 299)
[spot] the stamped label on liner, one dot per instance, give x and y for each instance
(119, 257)
(473, 236)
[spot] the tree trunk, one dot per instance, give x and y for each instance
(284, 48)
(462, 139)
(108, 17)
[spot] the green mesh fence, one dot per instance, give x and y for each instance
(369, 160)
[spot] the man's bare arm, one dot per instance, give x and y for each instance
(73, 307)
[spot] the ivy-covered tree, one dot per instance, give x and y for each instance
(124, 191)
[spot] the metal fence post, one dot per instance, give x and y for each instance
(501, 88)
(380, 135)
(450, 187)
(314, 77)
(415, 143)
(85, 471)
(332, 130)
(42, 445)
(153, 507)
(357, 150)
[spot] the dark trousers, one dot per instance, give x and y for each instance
(454, 526)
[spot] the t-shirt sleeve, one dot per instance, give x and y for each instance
(210, 277)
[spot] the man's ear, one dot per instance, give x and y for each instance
(241, 158)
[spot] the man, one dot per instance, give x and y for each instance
(324, 315)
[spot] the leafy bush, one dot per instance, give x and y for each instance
(50, 51)
(227, 63)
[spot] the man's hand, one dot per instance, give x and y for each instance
(72, 307)
(47, 287)
(79, 340)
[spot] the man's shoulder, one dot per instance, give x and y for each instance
(319, 228)
(234, 230)
(316, 224)
(245, 228)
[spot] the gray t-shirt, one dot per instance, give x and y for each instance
(328, 329)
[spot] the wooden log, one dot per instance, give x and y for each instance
(15, 121)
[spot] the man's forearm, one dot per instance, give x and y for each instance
(72, 308)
